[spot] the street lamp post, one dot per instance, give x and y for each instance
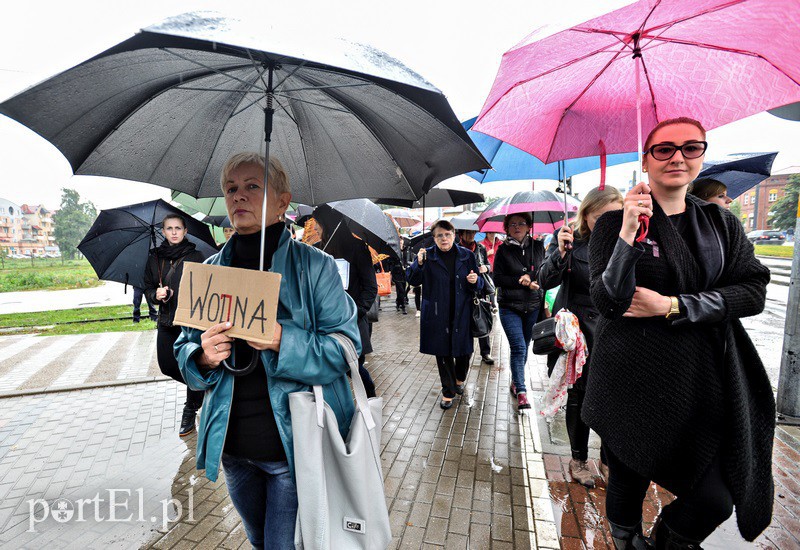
(789, 380)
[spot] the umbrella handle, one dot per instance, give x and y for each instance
(242, 371)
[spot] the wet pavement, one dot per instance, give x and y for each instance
(90, 456)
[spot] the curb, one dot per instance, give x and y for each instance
(87, 386)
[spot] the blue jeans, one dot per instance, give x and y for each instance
(266, 498)
(519, 331)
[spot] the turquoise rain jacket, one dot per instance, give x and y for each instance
(312, 305)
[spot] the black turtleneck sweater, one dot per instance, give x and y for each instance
(252, 430)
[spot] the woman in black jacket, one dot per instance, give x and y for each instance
(162, 278)
(518, 295)
(339, 242)
(567, 264)
(677, 391)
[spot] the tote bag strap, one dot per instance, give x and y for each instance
(362, 401)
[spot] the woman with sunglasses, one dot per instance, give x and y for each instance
(518, 295)
(677, 392)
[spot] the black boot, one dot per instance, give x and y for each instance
(187, 420)
(667, 539)
(630, 538)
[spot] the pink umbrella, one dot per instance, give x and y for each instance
(576, 93)
(546, 207)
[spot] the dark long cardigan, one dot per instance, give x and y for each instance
(668, 397)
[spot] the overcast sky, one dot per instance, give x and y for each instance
(455, 44)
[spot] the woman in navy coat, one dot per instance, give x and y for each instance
(449, 277)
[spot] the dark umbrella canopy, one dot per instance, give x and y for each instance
(365, 219)
(119, 241)
(437, 198)
(217, 221)
(171, 104)
(741, 174)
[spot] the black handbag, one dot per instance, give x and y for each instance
(482, 318)
(372, 312)
(544, 337)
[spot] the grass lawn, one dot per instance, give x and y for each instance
(46, 274)
(77, 321)
(775, 250)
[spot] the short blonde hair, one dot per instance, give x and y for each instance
(594, 200)
(278, 179)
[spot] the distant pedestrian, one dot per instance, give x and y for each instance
(138, 294)
(449, 277)
(362, 285)
(398, 270)
(567, 265)
(677, 390)
(467, 240)
(518, 295)
(162, 279)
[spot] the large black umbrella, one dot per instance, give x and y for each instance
(171, 104)
(740, 174)
(119, 241)
(365, 219)
(437, 198)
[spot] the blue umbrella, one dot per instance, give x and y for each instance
(510, 163)
(740, 174)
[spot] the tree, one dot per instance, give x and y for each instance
(736, 210)
(784, 213)
(71, 222)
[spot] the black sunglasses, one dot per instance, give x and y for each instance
(665, 151)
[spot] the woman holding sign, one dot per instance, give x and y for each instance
(245, 425)
(677, 390)
(161, 281)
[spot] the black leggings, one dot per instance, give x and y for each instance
(694, 515)
(452, 369)
(169, 364)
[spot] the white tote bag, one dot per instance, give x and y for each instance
(341, 503)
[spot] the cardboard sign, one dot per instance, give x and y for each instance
(212, 294)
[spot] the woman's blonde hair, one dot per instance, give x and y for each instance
(594, 200)
(705, 188)
(278, 179)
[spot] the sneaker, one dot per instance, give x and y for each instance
(187, 421)
(580, 473)
(418, 313)
(522, 401)
(488, 359)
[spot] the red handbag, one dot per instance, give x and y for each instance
(384, 282)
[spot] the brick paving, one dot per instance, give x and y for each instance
(477, 476)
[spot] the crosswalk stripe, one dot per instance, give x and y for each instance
(40, 359)
(20, 345)
(137, 364)
(83, 365)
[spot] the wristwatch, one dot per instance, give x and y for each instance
(674, 308)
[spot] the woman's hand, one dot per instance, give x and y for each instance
(648, 303)
(483, 269)
(161, 293)
(472, 278)
(421, 255)
(216, 345)
(276, 341)
(526, 281)
(565, 237)
(637, 202)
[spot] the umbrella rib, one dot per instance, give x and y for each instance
(212, 69)
(313, 103)
(247, 106)
(577, 98)
(255, 65)
(193, 89)
(326, 87)
(283, 108)
(699, 14)
(291, 74)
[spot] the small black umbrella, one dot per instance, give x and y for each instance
(365, 219)
(740, 174)
(437, 198)
(119, 241)
(217, 221)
